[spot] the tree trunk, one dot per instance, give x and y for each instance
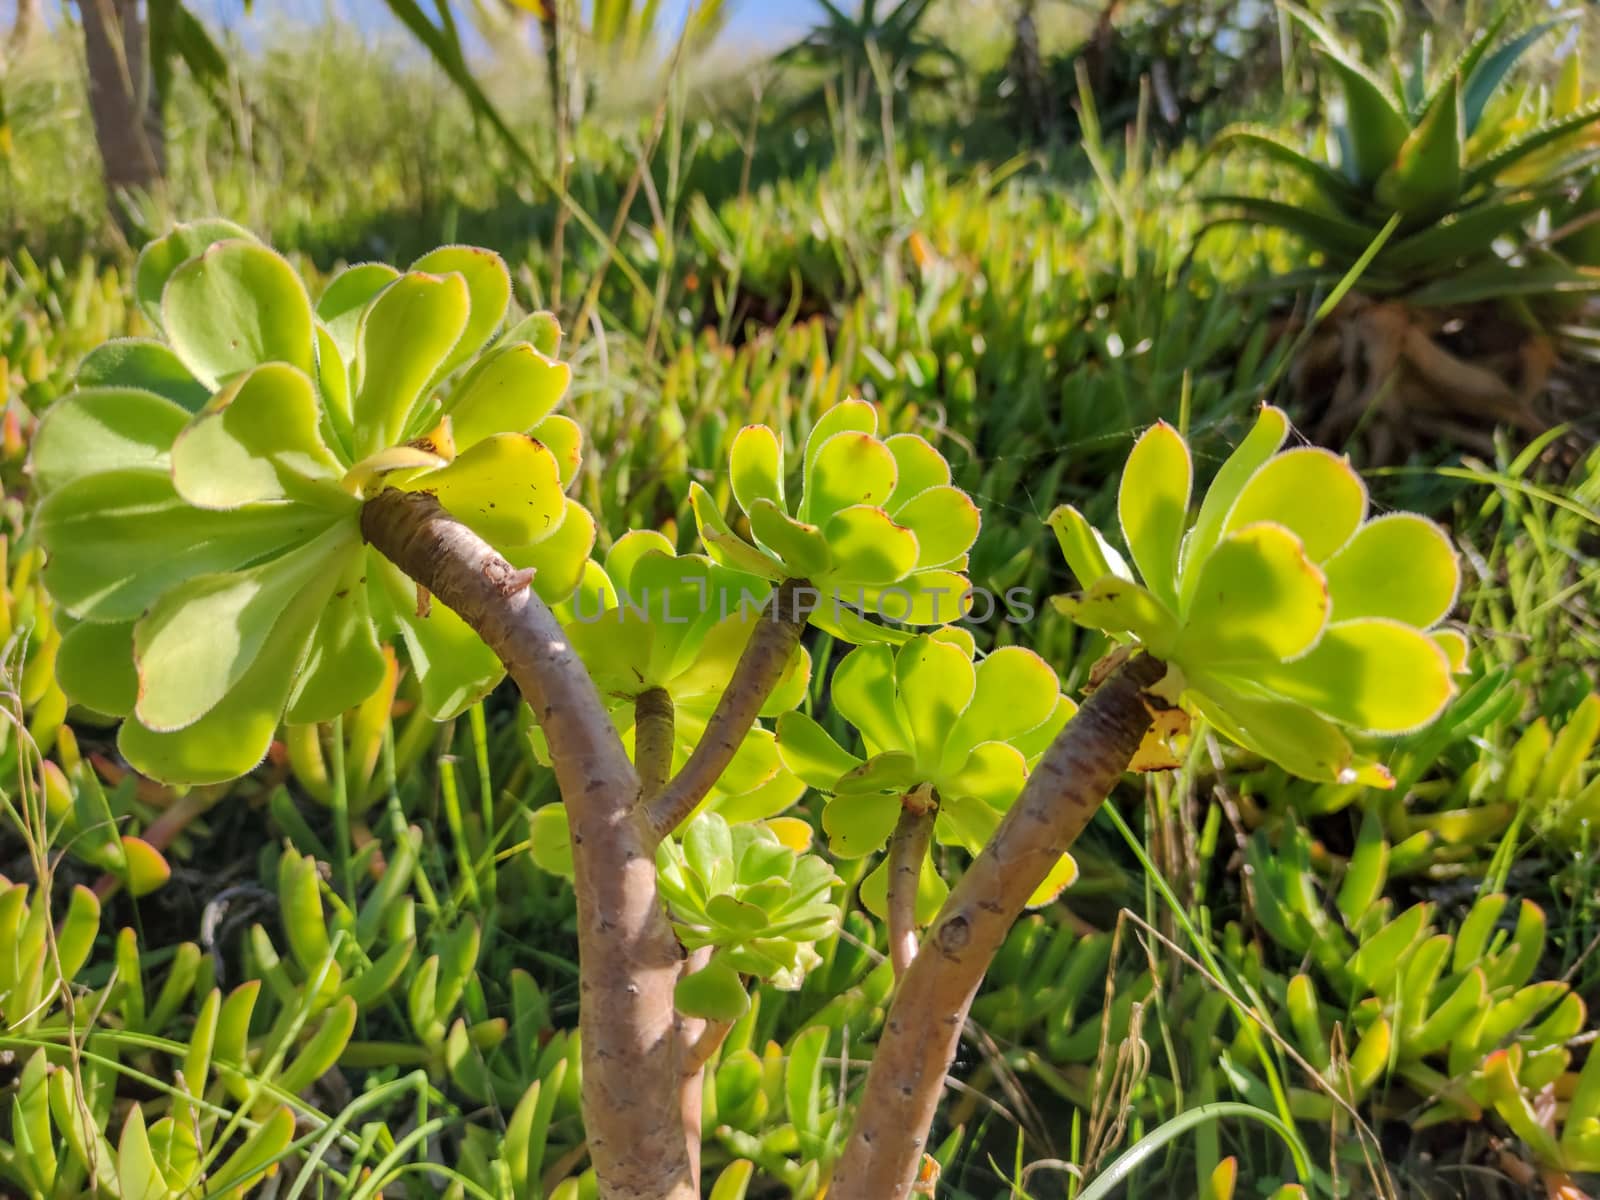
(127, 116)
(22, 25)
(634, 1063)
(906, 1079)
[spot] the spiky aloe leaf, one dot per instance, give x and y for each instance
(1484, 77)
(1333, 186)
(1529, 143)
(1336, 235)
(1501, 280)
(1425, 178)
(1375, 121)
(1470, 232)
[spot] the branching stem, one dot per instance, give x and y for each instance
(653, 739)
(908, 848)
(629, 957)
(760, 669)
(923, 1028)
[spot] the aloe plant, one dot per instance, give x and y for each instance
(1455, 156)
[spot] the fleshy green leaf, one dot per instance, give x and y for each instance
(810, 752)
(1400, 566)
(510, 391)
(563, 437)
(200, 638)
(918, 467)
(1258, 598)
(1312, 492)
(1372, 673)
(846, 416)
(1263, 441)
(848, 469)
(935, 681)
(233, 736)
(1014, 691)
(1285, 732)
(345, 663)
(347, 295)
(550, 840)
(94, 666)
(235, 307)
(405, 334)
(863, 693)
(993, 773)
(755, 467)
(1062, 876)
(801, 547)
(859, 824)
(945, 521)
(488, 293)
(558, 561)
(869, 548)
(721, 543)
(120, 539)
(1117, 606)
(103, 429)
(258, 440)
(144, 364)
(714, 993)
(145, 870)
(1153, 506)
(1089, 556)
(506, 488)
(922, 598)
(159, 259)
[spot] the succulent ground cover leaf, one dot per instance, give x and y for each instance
(928, 716)
(201, 497)
(877, 525)
(1288, 615)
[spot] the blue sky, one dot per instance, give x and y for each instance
(754, 22)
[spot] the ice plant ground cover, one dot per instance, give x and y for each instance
(807, 662)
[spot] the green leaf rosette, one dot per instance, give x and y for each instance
(201, 496)
(1289, 616)
(877, 528)
(929, 717)
(758, 904)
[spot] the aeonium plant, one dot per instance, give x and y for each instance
(1286, 616)
(947, 743)
(877, 527)
(239, 516)
(202, 497)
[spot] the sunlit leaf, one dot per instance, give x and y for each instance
(234, 307)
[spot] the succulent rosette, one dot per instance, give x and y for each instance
(877, 527)
(757, 903)
(201, 496)
(932, 719)
(1290, 617)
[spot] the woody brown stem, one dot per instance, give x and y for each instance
(760, 668)
(923, 1028)
(908, 847)
(629, 958)
(653, 739)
